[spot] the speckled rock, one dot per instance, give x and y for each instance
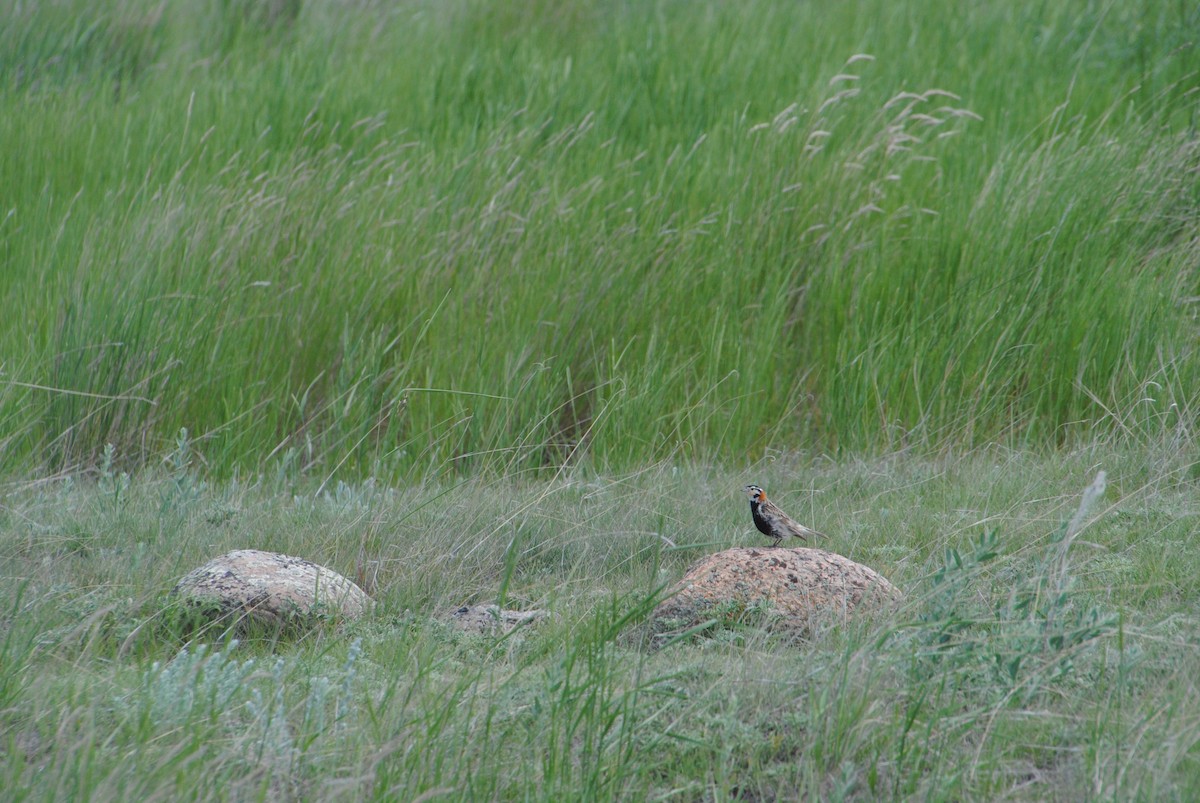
(492, 619)
(789, 590)
(271, 589)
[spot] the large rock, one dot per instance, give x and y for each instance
(270, 589)
(788, 590)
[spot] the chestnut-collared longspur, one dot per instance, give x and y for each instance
(772, 521)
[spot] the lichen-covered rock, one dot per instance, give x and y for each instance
(270, 589)
(491, 619)
(788, 590)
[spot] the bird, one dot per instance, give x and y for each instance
(772, 521)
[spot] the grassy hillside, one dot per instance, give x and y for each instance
(426, 237)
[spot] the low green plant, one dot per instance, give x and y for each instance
(113, 484)
(1028, 637)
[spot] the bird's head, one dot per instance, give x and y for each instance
(755, 493)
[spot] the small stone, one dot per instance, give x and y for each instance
(492, 619)
(794, 590)
(271, 589)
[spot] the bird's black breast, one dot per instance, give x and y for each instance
(761, 523)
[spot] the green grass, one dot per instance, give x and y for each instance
(490, 302)
(461, 236)
(1025, 662)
